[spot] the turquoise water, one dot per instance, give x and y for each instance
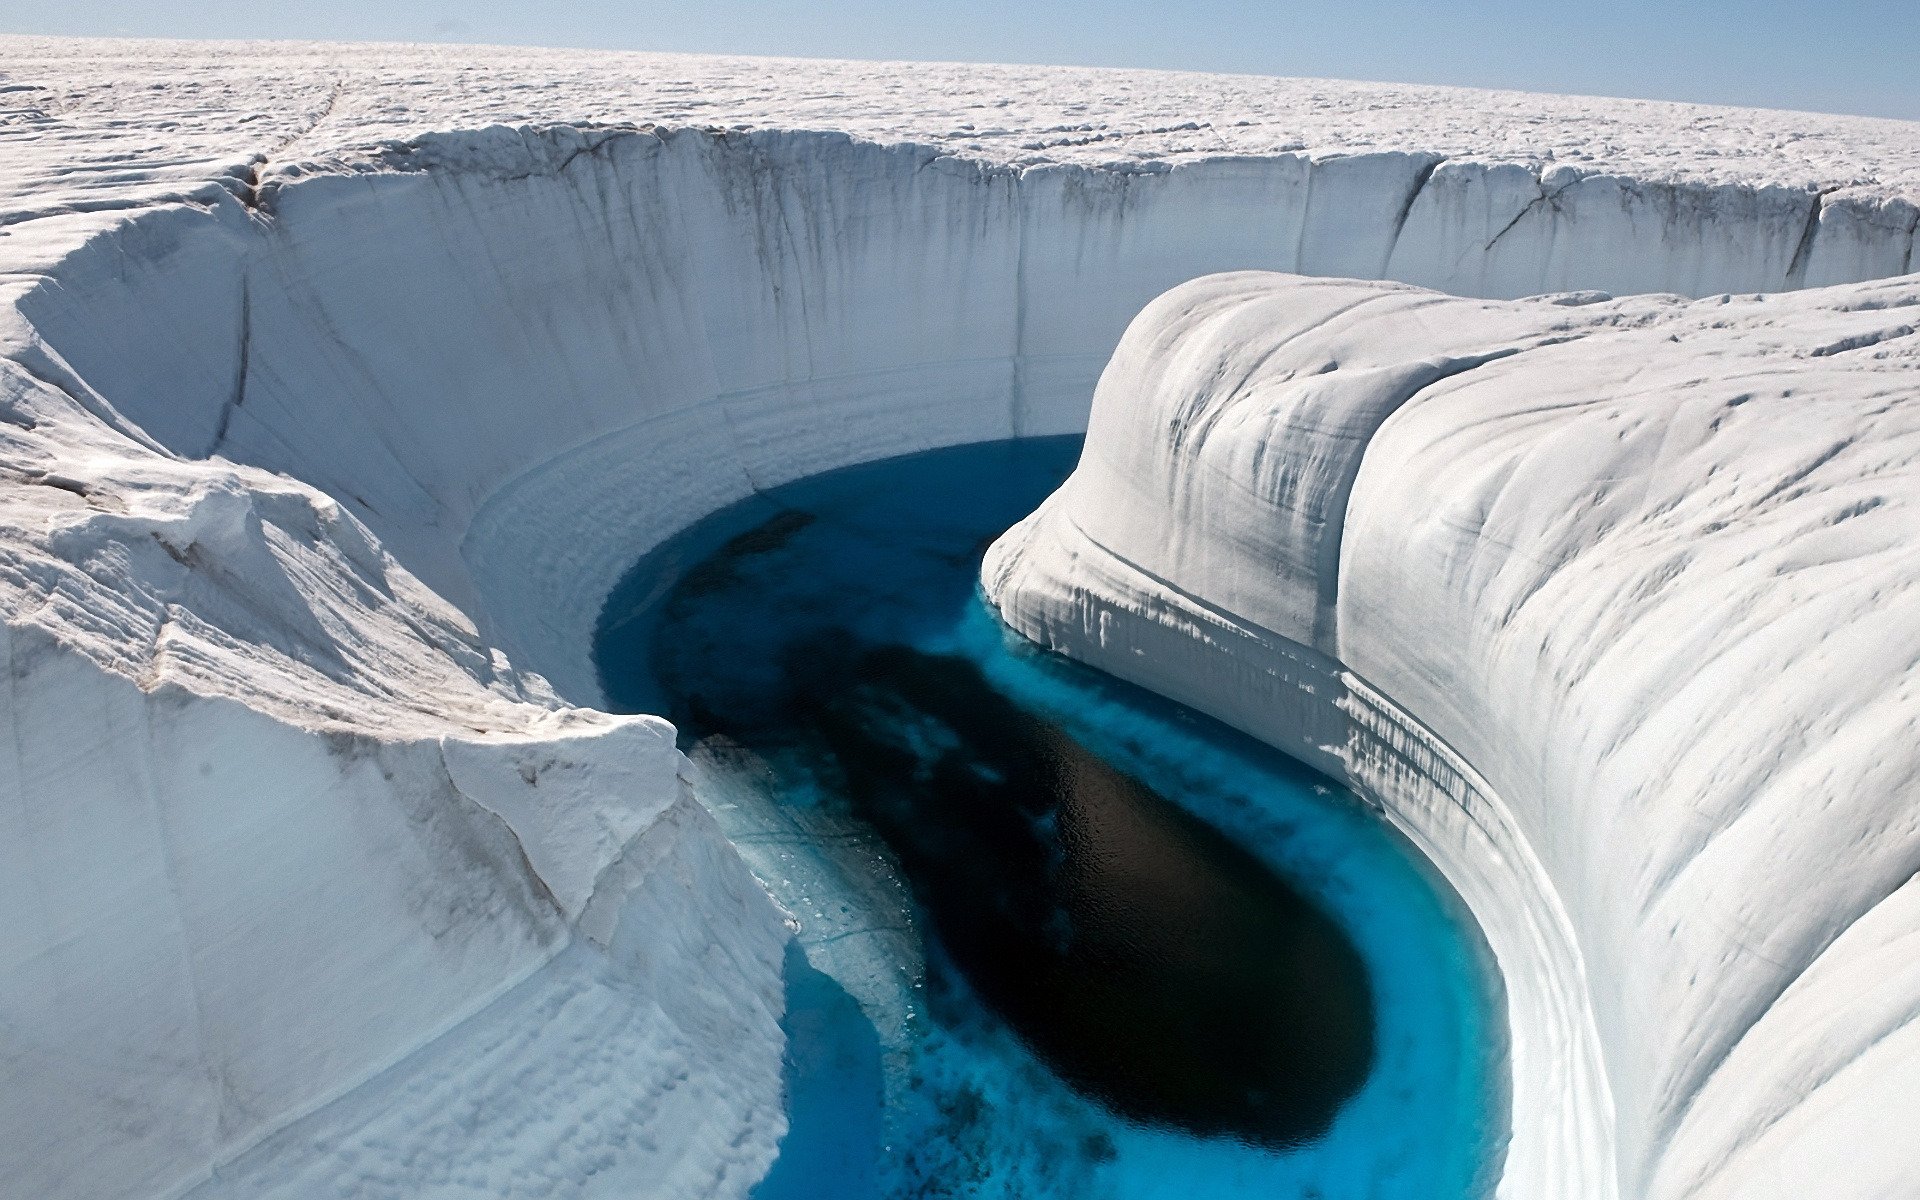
(1058, 937)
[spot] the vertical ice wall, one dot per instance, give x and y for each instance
(429, 337)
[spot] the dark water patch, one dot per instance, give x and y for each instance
(717, 573)
(1147, 958)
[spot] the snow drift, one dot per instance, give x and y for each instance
(318, 468)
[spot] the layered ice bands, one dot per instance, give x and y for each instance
(1615, 608)
(339, 384)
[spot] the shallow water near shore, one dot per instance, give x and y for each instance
(1058, 937)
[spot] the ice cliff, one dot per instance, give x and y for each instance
(338, 385)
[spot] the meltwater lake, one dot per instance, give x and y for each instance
(1058, 937)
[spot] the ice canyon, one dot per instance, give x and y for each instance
(1542, 469)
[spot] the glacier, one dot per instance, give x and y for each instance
(339, 386)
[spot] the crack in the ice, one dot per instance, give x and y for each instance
(319, 118)
(237, 395)
(1803, 251)
(1018, 401)
(1549, 198)
(1095, 138)
(250, 190)
(1306, 215)
(1406, 210)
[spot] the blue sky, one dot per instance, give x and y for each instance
(1840, 56)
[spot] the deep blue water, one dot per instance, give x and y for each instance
(1059, 937)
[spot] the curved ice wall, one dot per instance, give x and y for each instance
(298, 456)
(1613, 607)
(430, 337)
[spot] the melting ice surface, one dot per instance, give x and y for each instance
(1059, 938)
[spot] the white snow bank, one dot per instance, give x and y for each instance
(323, 431)
(1615, 608)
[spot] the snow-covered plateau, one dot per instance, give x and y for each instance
(339, 385)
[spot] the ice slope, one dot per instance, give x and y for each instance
(1646, 568)
(340, 384)
(273, 816)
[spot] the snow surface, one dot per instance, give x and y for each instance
(339, 384)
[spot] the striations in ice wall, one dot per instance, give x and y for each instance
(1638, 577)
(339, 384)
